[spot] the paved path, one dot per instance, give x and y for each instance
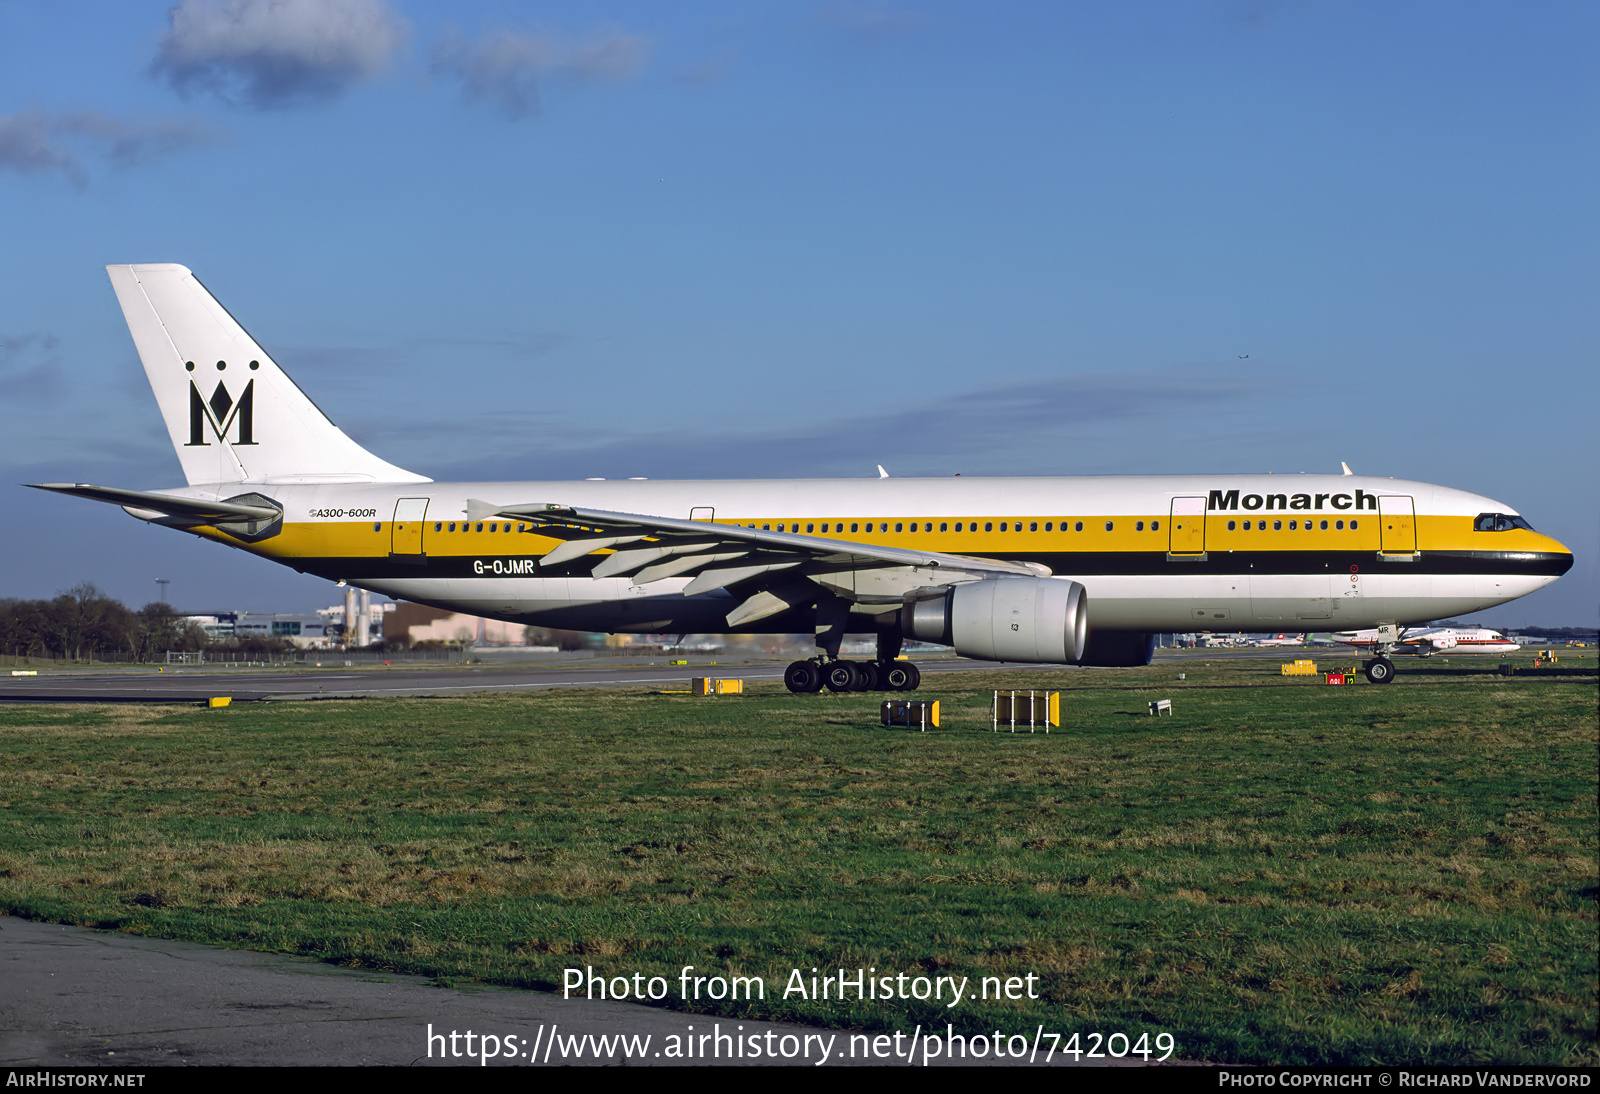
(71, 997)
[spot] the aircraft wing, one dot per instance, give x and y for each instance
(776, 570)
(148, 506)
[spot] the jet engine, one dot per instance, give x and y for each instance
(1032, 619)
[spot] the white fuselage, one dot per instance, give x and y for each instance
(1269, 552)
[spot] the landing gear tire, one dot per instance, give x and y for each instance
(901, 676)
(803, 678)
(842, 676)
(1380, 670)
(867, 677)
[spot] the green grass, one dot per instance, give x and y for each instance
(1282, 872)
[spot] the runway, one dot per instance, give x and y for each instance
(338, 682)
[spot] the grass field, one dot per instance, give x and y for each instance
(1282, 872)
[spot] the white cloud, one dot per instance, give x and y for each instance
(277, 53)
(506, 68)
(35, 141)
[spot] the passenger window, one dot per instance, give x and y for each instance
(1049, 526)
(1352, 526)
(437, 525)
(855, 527)
(810, 527)
(1324, 526)
(377, 526)
(491, 527)
(1339, 524)
(1078, 527)
(943, 527)
(1139, 527)
(480, 526)
(1108, 526)
(897, 526)
(1230, 526)
(988, 526)
(1277, 526)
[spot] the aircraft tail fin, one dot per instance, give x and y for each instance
(232, 413)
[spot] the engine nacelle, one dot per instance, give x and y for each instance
(1032, 619)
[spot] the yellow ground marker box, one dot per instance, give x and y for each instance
(705, 685)
(910, 713)
(1025, 709)
(1301, 667)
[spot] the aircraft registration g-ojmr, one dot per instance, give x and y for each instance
(1078, 571)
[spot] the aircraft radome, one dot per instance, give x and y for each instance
(1048, 570)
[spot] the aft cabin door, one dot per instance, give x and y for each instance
(406, 539)
(1397, 522)
(1186, 533)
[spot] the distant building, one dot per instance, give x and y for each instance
(322, 629)
(414, 623)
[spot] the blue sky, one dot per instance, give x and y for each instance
(555, 240)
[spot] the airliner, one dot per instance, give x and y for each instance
(1431, 640)
(1076, 571)
(1280, 639)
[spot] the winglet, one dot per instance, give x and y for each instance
(882, 474)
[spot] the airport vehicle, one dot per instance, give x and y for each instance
(1051, 570)
(1427, 641)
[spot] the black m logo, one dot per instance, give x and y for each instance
(221, 413)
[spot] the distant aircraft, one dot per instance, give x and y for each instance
(1431, 640)
(1280, 639)
(1079, 571)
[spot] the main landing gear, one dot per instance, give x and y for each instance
(826, 670)
(1380, 670)
(810, 677)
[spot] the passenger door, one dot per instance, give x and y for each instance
(1186, 528)
(405, 542)
(1397, 525)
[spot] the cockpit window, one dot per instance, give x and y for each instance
(1499, 522)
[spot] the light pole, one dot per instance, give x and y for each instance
(163, 583)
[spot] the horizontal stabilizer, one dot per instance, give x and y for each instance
(196, 509)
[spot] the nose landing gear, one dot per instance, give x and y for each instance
(1380, 670)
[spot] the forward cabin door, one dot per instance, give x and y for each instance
(1397, 523)
(1186, 528)
(405, 541)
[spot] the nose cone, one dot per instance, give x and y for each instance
(1560, 558)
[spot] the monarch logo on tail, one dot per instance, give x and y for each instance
(221, 412)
